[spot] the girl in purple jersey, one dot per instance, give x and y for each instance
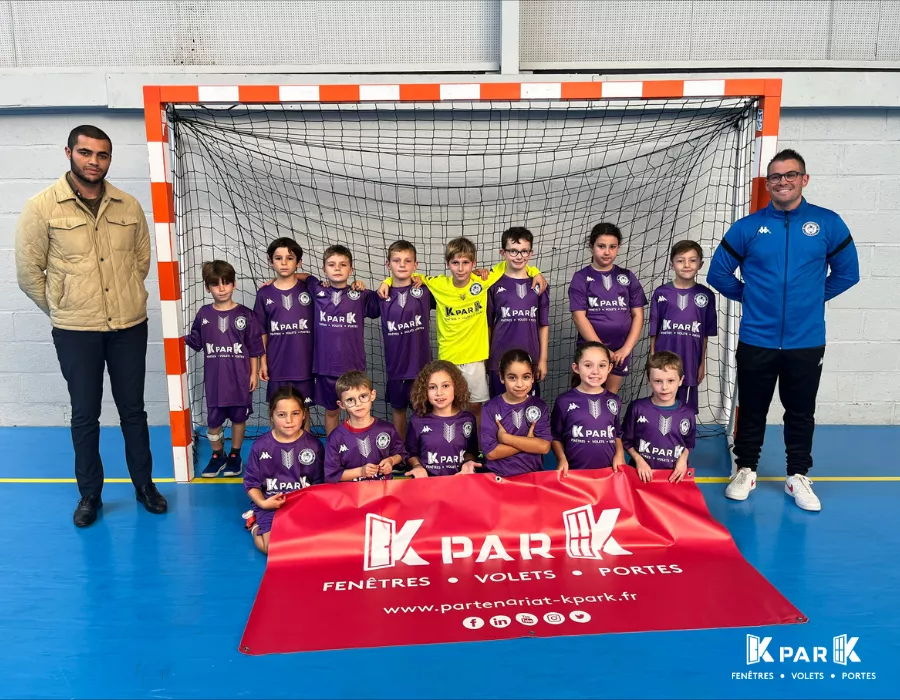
(515, 426)
(441, 439)
(286, 459)
(585, 423)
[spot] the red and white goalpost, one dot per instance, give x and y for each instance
(160, 101)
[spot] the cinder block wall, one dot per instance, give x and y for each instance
(852, 155)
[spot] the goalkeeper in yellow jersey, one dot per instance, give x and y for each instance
(462, 327)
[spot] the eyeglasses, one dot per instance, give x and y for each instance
(515, 254)
(789, 176)
(361, 399)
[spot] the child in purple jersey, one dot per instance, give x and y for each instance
(405, 328)
(683, 316)
(286, 459)
(607, 302)
(228, 335)
(585, 420)
(515, 431)
(284, 312)
(442, 439)
(518, 316)
(362, 448)
(659, 430)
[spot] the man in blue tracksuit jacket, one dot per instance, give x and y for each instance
(784, 252)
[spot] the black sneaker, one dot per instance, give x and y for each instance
(233, 465)
(86, 512)
(215, 466)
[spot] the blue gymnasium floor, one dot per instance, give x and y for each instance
(144, 606)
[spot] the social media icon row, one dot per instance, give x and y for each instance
(527, 619)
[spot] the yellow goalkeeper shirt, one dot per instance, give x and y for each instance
(462, 327)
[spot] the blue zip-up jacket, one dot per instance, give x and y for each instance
(784, 258)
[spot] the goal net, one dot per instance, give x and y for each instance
(367, 174)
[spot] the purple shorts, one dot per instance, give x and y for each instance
(264, 520)
(325, 395)
(236, 414)
(306, 387)
(622, 369)
(688, 395)
(497, 387)
(397, 393)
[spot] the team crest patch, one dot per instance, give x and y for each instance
(383, 440)
(612, 406)
(623, 279)
(307, 457)
(810, 228)
(304, 298)
(416, 292)
(353, 294)
(532, 413)
(240, 322)
(701, 300)
(467, 429)
(475, 289)
(684, 426)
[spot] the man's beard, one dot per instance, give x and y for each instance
(84, 177)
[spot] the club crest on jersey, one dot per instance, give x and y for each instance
(475, 289)
(607, 281)
(287, 301)
(416, 292)
(467, 429)
(304, 298)
(287, 458)
(594, 407)
(532, 413)
(353, 294)
(612, 406)
(240, 322)
(307, 456)
(383, 440)
(521, 290)
(623, 279)
(682, 301)
(223, 324)
(335, 298)
(810, 228)
(449, 432)
(684, 426)
(665, 425)
(701, 300)
(401, 299)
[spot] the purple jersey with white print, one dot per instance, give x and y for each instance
(286, 317)
(681, 319)
(406, 329)
(348, 448)
(607, 298)
(441, 444)
(228, 339)
(515, 312)
(587, 425)
(339, 329)
(516, 419)
(659, 434)
(281, 467)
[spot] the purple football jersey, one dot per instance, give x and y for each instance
(406, 329)
(659, 435)
(516, 419)
(587, 425)
(607, 298)
(347, 448)
(339, 330)
(228, 339)
(681, 319)
(515, 312)
(281, 467)
(441, 444)
(286, 317)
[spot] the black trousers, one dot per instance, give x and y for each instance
(82, 356)
(797, 373)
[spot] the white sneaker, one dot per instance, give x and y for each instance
(800, 487)
(742, 483)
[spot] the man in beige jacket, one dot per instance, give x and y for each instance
(82, 254)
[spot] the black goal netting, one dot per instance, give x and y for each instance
(365, 175)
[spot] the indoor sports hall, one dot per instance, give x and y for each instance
(227, 124)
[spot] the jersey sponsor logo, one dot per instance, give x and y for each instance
(612, 406)
(693, 327)
(396, 326)
(382, 441)
(275, 485)
(579, 431)
(475, 289)
(417, 292)
(349, 318)
(305, 298)
(287, 458)
(449, 432)
(240, 322)
(532, 414)
(701, 300)
(644, 446)
(684, 426)
(506, 312)
(213, 349)
(623, 280)
(521, 290)
(353, 295)
(223, 324)
(607, 281)
(307, 456)
(596, 303)
(287, 301)
(677, 451)
(665, 425)
(517, 418)
(642, 418)
(594, 407)
(467, 428)
(572, 407)
(276, 327)
(682, 301)
(811, 228)
(474, 309)
(265, 455)
(763, 229)
(364, 445)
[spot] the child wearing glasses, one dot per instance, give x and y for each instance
(518, 316)
(363, 447)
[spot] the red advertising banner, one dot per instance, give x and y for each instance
(473, 558)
